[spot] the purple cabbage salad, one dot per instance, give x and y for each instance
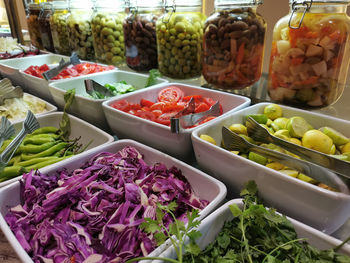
(93, 214)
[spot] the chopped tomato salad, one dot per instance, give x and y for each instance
(171, 100)
(69, 72)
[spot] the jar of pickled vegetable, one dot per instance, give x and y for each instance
(44, 26)
(107, 29)
(179, 39)
(58, 23)
(233, 47)
(310, 54)
(33, 24)
(79, 28)
(140, 35)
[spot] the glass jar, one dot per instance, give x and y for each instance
(44, 26)
(58, 23)
(33, 24)
(140, 35)
(179, 39)
(233, 49)
(310, 54)
(107, 28)
(79, 28)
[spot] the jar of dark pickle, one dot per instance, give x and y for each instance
(140, 35)
(33, 24)
(58, 23)
(233, 44)
(179, 39)
(310, 54)
(107, 31)
(44, 26)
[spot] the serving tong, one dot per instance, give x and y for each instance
(234, 142)
(7, 91)
(6, 130)
(30, 124)
(259, 133)
(51, 73)
(92, 87)
(187, 118)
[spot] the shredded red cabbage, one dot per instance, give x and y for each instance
(93, 214)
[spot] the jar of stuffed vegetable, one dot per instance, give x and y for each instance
(310, 54)
(44, 26)
(33, 24)
(107, 29)
(58, 23)
(179, 39)
(79, 28)
(140, 35)
(233, 47)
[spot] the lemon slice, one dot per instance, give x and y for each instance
(297, 127)
(337, 137)
(279, 123)
(306, 178)
(260, 118)
(239, 129)
(291, 173)
(208, 138)
(257, 158)
(273, 111)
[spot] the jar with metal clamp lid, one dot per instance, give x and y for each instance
(140, 34)
(233, 49)
(179, 39)
(310, 54)
(79, 28)
(107, 29)
(33, 12)
(44, 26)
(58, 23)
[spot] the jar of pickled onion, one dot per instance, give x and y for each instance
(310, 54)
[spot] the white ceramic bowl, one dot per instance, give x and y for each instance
(159, 136)
(49, 109)
(212, 225)
(79, 128)
(86, 107)
(315, 206)
(10, 68)
(203, 185)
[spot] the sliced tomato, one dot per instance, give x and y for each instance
(170, 94)
(157, 106)
(135, 106)
(148, 115)
(201, 107)
(169, 107)
(157, 113)
(146, 103)
(195, 97)
(165, 118)
(122, 105)
(209, 101)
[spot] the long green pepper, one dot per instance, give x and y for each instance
(48, 152)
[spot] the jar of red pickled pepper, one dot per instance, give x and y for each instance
(310, 54)
(233, 47)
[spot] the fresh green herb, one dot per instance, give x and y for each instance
(257, 234)
(152, 78)
(176, 232)
(65, 122)
(120, 88)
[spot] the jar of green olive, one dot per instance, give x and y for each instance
(107, 31)
(33, 12)
(79, 28)
(44, 26)
(140, 35)
(58, 23)
(233, 49)
(179, 39)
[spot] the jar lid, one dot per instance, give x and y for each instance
(237, 2)
(319, 1)
(189, 3)
(46, 5)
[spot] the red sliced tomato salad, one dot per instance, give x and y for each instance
(171, 100)
(69, 72)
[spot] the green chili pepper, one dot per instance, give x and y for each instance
(46, 163)
(31, 148)
(36, 160)
(49, 152)
(10, 172)
(38, 140)
(48, 129)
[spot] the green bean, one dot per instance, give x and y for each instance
(10, 172)
(31, 148)
(35, 161)
(46, 163)
(4, 145)
(48, 129)
(48, 152)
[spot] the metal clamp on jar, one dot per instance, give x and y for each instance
(310, 54)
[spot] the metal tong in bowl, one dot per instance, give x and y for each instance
(30, 124)
(234, 142)
(7, 91)
(92, 87)
(74, 60)
(187, 118)
(259, 133)
(6, 130)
